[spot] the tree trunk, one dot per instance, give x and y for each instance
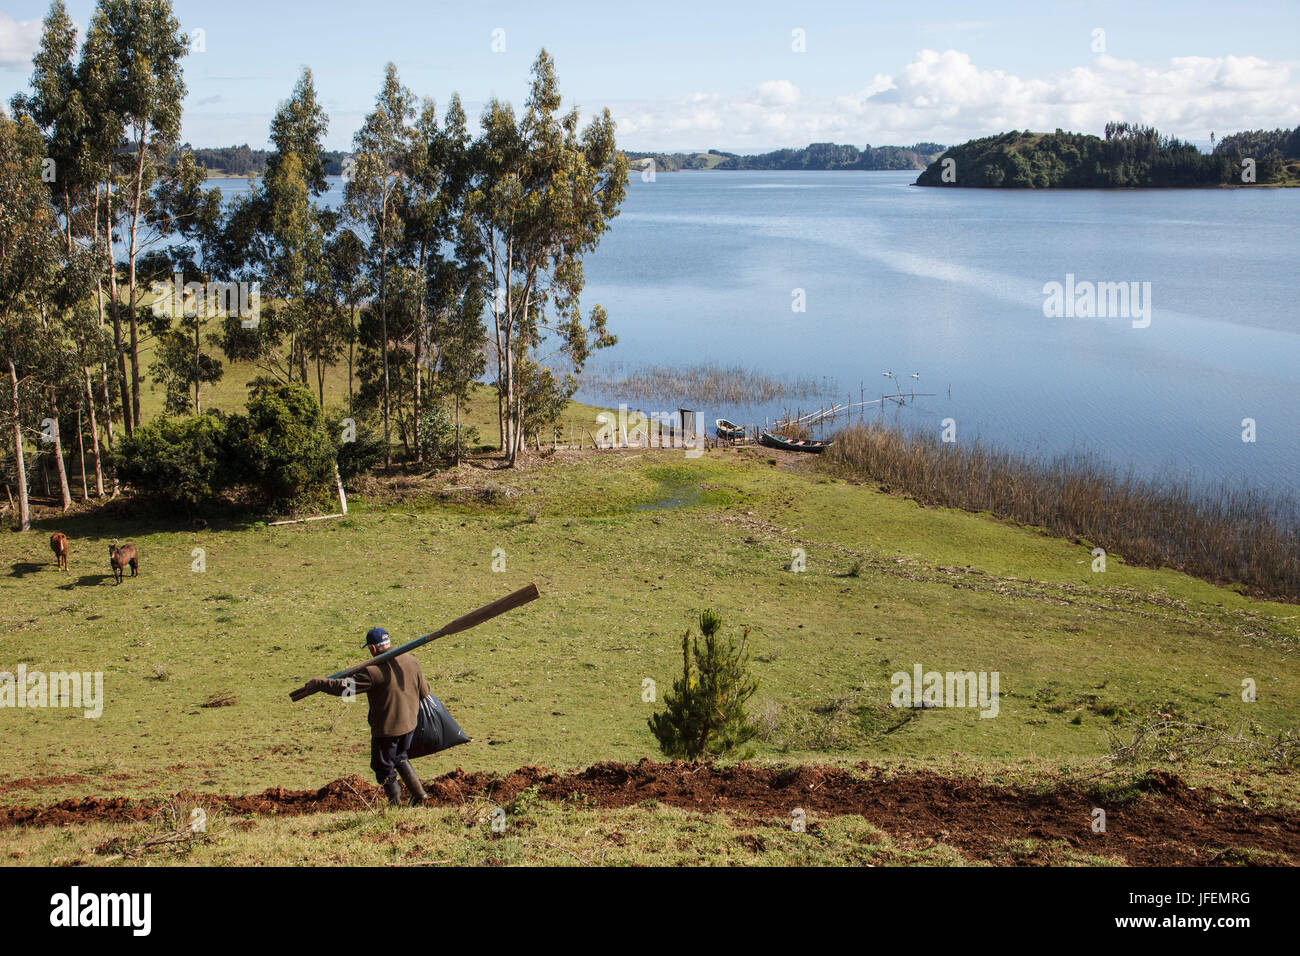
(383, 331)
(418, 347)
(352, 348)
(81, 453)
(114, 300)
(103, 369)
(132, 251)
(94, 438)
(457, 431)
(20, 466)
(60, 468)
(415, 400)
(198, 410)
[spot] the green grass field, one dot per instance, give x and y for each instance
(626, 547)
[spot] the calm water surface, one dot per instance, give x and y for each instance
(701, 266)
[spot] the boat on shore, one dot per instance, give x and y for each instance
(729, 430)
(794, 444)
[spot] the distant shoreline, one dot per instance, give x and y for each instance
(1128, 157)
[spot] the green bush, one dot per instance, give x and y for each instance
(283, 452)
(705, 712)
(438, 435)
(284, 448)
(181, 462)
(364, 452)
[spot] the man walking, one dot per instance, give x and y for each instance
(394, 689)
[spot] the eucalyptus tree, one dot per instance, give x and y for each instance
(182, 366)
(299, 127)
(376, 186)
(296, 256)
(295, 175)
(345, 255)
(457, 294)
(103, 133)
(544, 194)
(57, 108)
(456, 280)
(281, 236)
(424, 214)
(432, 242)
(93, 348)
(29, 262)
(133, 50)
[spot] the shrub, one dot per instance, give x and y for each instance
(705, 711)
(284, 448)
(438, 435)
(362, 453)
(181, 462)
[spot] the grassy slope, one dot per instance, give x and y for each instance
(623, 547)
(537, 834)
(230, 393)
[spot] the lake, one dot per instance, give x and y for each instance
(704, 266)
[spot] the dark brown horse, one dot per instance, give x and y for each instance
(119, 558)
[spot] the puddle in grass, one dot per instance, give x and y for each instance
(674, 497)
(684, 488)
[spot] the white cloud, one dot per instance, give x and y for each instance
(777, 93)
(19, 39)
(947, 97)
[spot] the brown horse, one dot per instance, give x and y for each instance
(119, 558)
(59, 545)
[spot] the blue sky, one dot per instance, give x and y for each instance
(726, 75)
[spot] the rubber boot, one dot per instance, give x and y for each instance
(412, 781)
(393, 790)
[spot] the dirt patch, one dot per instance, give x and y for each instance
(36, 783)
(1162, 822)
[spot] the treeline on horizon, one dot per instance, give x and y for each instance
(244, 161)
(449, 253)
(816, 156)
(1128, 155)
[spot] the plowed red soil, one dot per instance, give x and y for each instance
(1165, 823)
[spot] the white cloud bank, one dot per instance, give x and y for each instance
(947, 98)
(19, 40)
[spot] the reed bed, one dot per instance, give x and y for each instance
(1243, 536)
(708, 384)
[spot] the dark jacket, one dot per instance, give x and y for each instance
(394, 688)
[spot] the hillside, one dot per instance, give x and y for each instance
(1127, 156)
(243, 161)
(624, 546)
(835, 156)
